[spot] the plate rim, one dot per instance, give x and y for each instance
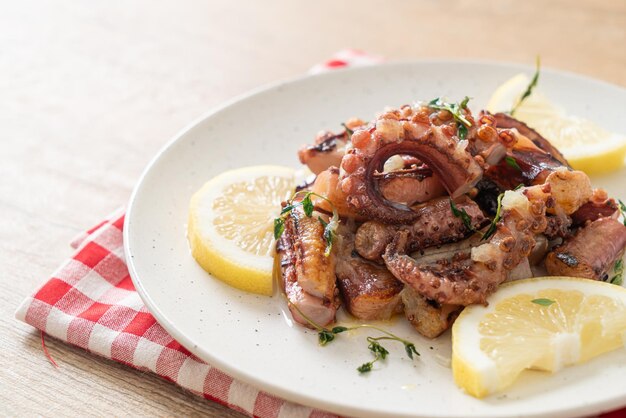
(294, 396)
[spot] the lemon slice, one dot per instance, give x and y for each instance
(230, 227)
(586, 146)
(543, 324)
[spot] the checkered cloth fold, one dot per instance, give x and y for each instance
(90, 302)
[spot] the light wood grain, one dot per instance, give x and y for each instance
(89, 91)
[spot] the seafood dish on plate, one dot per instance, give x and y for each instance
(429, 208)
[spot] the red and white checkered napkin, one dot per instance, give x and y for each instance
(90, 301)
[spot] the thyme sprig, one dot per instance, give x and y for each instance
(494, 223)
(529, 88)
(462, 213)
(380, 353)
(330, 228)
(327, 335)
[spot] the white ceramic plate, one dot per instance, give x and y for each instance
(248, 336)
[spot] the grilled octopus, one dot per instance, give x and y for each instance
(417, 132)
(468, 279)
(308, 275)
(436, 225)
(396, 180)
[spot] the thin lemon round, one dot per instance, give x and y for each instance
(585, 145)
(541, 324)
(230, 227)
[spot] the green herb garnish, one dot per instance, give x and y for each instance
(329, 235)
(339, 329)
(456, 109)
(380, 353)
(279, 227)
(464, 102)
(622, 210)
(366, 367)
(511, 162)
(348, 130)
(543, 301)
(529, 88)
(326, 335)
(467, 220)
(462, 131)
(493, 227)
(618, 270)
(308, 207)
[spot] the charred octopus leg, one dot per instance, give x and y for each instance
(308, 275)
(591, 253)
(464, 279)
(436, 225)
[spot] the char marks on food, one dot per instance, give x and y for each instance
(369, 290)
(327, 151)
(530, 159)
(593, 210)
(410, 186)
(506, 121)
(429, 318)
(591, 252)
(308, 275)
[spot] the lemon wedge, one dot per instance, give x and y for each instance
(230, 227)
(585, 145)
(541, 324)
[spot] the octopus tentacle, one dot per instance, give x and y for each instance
(307, 275)
(508, 122)
(408, 132)
(466, 279)
(591, 253)
(436, 225)
(535, 158)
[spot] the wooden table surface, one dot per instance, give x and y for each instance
(89, 91)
